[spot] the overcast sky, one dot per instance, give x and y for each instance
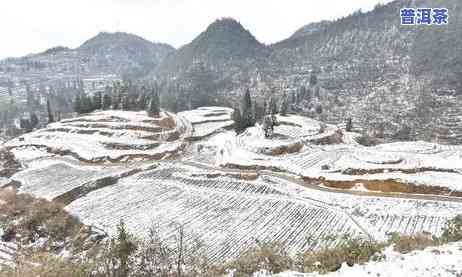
(31, 26)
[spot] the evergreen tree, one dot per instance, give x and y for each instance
(116, 101)
(319, 109)
(34, 121)
(25, 124)
(273, 107)
(259, 111)
(107, 102)
(154, 106)
(237, 120)
(125, 103)
(247, 113)
(77, 104)
(125, 247)
(97, 101)
(86, 104)
(268, 125)
(284, 106)
(50, 113)
(349, 125)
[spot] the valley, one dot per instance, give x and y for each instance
(233, 190)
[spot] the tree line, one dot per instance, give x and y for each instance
(124, 96)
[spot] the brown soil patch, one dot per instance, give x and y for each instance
(387, 186)
(167, 123)
(356, 171)
(286, 149)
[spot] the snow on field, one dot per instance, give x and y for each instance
(108, 135)
(290, 132)
(7, 253)
(227, 213)
(380, 216)
(208, 120)
(443, 260)
(207, 114)
(208, 128)
(419, 163)
(50, 178)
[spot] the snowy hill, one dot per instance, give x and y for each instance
(191, 169)
(107, 136)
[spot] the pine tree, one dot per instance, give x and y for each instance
(97, 101)
(125, 103)
(247, 113)
(237, 120)
(273, 107)
(107, 102)
(86, 104)
(125, 248)
(268, 125)
(284, 106)
(34, 121)
(25, 124)
(116, 102)
(78, 104)
(349, 125)
(154, 106)
(50, 114)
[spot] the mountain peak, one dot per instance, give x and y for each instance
(226, 22)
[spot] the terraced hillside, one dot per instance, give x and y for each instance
(109, 136)
(228, 214)
(208, 120)
(333, 158)
(109, 166)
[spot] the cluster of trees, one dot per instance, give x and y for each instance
(121, 96)
(250, 112)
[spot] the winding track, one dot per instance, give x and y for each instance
(297, 180)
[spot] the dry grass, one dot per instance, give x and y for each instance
(266, 256)
(29, 219)
(42, 264)
(407, 244)
(353, 251)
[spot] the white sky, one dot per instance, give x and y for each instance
(31, 26)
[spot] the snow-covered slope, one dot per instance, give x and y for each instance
(417, 167)
(208, 120)
(108, 136)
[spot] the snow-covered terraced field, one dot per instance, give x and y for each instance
(7, 253)
(108, 136)
(226, 209)
(419, 164)
(290, 134)
(228, 214)
(208, 120)
(381, 216)
(50, 178)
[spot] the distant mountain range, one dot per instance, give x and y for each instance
(341, 50)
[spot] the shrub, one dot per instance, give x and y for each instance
(367, 140)
(406, 244)
(45, 265)
(265, 256)
(32, 218)
(453, 230)
(352, 251)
